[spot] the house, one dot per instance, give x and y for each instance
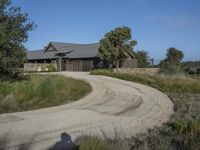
(66, 57)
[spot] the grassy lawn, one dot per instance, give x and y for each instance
(182, 132)
(40, 91)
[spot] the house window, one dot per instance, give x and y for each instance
(53, 61)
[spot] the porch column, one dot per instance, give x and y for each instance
(59, 63)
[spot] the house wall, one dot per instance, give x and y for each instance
(78, 64)
(37, 67)
(84, 64)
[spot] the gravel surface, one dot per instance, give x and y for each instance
(113, 106)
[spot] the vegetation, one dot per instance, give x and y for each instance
(40, 91)
(172, 63)
(93, 143)
(177, 84)
(96, 143)
(142, 57)
(116, 46)
(14, 28)
(51, 68)
(182, 132)
(192, 67)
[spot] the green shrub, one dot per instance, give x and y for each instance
(96, 143)
(187, 127)
(51, 68)
(13, 75)
(93, 143)
(172, 63)
(171, 69)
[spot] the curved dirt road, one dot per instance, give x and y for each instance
(113, 106)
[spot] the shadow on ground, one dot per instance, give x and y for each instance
(65, 143)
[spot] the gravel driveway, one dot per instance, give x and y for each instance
(113, 106)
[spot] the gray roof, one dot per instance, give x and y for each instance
(73, 51)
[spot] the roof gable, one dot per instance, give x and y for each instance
(50, 48)
(60, 46)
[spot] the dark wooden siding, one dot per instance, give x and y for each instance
(69, 66)
(78, 65)
(87, 65)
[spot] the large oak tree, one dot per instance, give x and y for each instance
(14, 27)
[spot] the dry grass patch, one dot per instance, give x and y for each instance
(165, 83)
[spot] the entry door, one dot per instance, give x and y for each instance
(77, 65)
(69, 66)
(63, 65)
(87, 65)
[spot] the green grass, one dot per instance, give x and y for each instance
(40, 91)
(93, 143)
(96, 143)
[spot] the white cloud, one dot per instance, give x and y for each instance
(180, 22)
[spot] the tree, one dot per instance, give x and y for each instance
(172, 63)
(142, 57)
(174, 55)
(14, 27)
(116, 46)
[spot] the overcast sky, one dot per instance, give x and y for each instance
(156, 24)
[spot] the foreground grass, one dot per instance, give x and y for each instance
(40, 91)
(182, 132)
(96, 143)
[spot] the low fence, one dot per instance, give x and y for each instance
(37, 67)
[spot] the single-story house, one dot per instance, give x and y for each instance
(68, 56)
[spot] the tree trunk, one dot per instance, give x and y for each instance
(116, 64)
